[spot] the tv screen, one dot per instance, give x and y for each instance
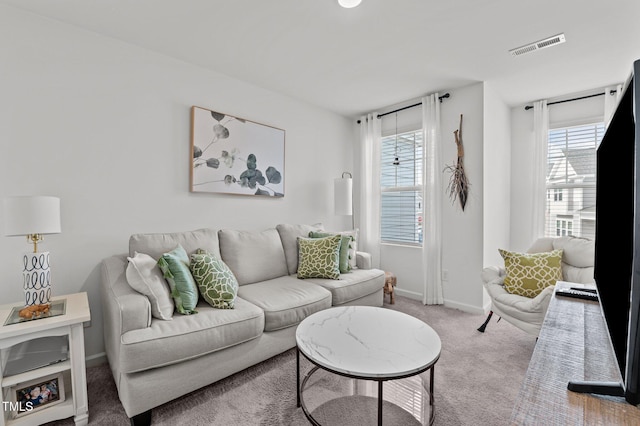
(617, 269)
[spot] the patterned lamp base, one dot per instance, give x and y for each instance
(36, 278)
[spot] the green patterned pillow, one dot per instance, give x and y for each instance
(319, 257)
(216, 282)
(175, 267)
(345, 245)
(530, 273)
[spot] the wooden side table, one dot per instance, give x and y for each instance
(389, 284)
(70, 324)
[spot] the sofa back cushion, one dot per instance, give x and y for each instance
(578, 256)
(155, 245)
(253, 256)
(289, 236)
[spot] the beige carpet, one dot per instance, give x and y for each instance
(476, 380)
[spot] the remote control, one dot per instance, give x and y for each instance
(590, 290)
(578, 294)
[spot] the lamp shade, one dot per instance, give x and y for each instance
(31, 215)
(343, 195)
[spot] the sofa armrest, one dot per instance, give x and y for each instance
(542, 300)
(493, 274)
(124, 309)
(363, 260)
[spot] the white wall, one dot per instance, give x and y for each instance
(565, 114)
(106, 126)
(461, 231)
(497, 173)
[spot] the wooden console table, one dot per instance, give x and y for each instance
(565, 352)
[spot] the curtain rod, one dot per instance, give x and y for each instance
(611, 92)
(440, 98)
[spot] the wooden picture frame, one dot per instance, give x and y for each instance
(232, 155)
(34, 395)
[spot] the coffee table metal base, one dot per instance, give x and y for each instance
(346, 404)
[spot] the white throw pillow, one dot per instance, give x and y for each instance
(145, 277)
(353, 246)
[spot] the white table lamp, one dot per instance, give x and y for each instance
(343, 195)
(33, 216)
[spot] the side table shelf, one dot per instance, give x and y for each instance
(72, 370)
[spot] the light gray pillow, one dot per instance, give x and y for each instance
(145, 277)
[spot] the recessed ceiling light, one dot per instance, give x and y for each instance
(349, 3)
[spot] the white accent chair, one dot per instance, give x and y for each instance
(528, 313)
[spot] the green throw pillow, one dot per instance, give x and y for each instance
(345, 245)
(319, 257)
(175, 267)
(216, 282)
(530, 273)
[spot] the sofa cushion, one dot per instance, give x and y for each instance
(319, 257)
(189, 336)
(530, 273)
(145, 277)
(523, 308)
(352, 286)
(286, 300)
(253, 256)
(217, 284)
(175, 267)
(345, 243)
(289, 236)
(155, 245)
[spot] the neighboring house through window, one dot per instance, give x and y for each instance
(401, 207)
(571, 180)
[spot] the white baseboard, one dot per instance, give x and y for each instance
(409, 294)
(464, 307)
(448, 303)
(97, 359)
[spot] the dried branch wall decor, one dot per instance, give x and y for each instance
(458, 187)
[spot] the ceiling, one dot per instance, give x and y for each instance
(382, 52)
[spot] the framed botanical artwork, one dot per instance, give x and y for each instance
(233, 155)
(36, 394)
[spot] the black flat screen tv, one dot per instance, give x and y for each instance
(617, 243)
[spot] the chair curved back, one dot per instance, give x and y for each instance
(578, 256)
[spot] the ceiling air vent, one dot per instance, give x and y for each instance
(541, 44)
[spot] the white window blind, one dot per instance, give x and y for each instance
(401, 188)
(571, 180)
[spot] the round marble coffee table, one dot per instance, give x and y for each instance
(367, 343)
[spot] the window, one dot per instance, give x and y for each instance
(571, 180)
(401, 188)
(563, 228)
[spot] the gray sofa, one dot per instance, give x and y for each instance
(147, 355)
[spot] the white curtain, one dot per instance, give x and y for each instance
(539, 172)
(611, 102)
(432, 250)
(368, 182)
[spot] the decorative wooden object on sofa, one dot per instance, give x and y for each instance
(389, 284)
